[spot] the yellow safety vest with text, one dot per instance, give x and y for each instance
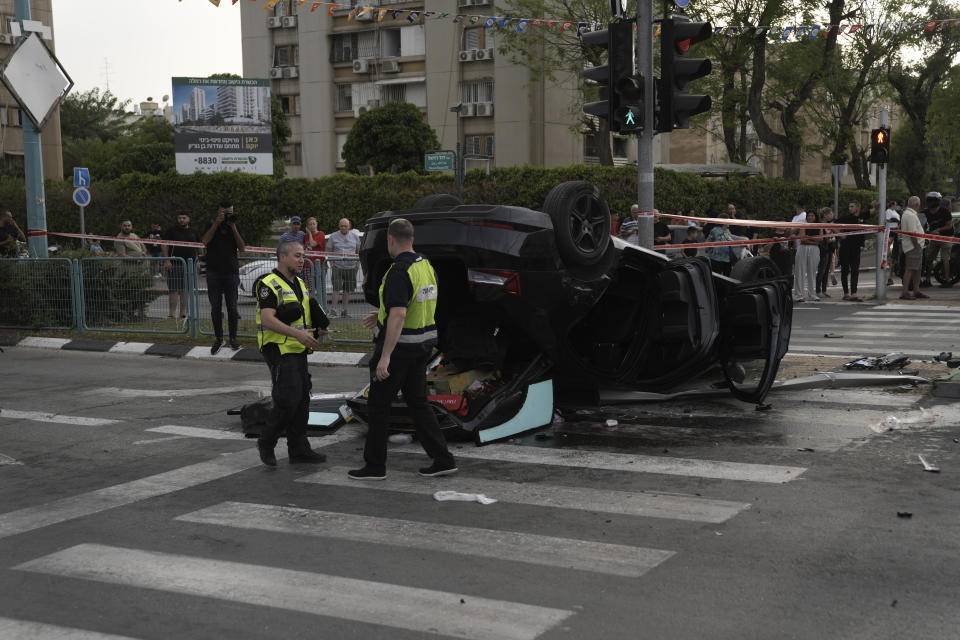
(285, 294)
(419, 327)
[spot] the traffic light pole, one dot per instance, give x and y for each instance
(883, 237)
(644, 53)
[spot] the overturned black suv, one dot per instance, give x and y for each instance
(538, 307)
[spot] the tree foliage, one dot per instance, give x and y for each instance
(943, 133)
(280, 127)
(391, 138)
(90, 114)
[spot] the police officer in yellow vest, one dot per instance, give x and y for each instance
(285, 336)
(405, 337)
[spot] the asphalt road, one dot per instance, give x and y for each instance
(132, 507)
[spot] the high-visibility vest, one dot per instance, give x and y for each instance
(419, 328)
(285, 293)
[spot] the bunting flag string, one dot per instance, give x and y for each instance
(785, 33)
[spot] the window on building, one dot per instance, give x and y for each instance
(287, 55)
(412, 41)
(13, 164)
(590, 147)
(367, 44)
(292, 154)
(341, 140)
(344, 47)
(290, 105)
(344, 98)
(488, 147)
(285, 8)
(477, 38)
(477, 90)
(14, 117)
(393, 93)
(390, 43)
(481, 145)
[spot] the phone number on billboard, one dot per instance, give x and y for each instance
(205, 160)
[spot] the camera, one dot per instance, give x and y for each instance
(229, 217)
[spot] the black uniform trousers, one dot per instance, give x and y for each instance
(849, 266)
(409, 375)
(291, 400)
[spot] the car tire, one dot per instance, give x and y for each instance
(581, 222)
(438, 201)
(755, 269)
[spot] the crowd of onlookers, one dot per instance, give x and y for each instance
(812, 255)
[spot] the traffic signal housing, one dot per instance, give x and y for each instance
(621, 88)
(675, 106)
(880, 145)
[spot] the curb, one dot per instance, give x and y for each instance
(325, 358)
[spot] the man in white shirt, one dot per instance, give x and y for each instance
(629, 229)
(892, 221)
(800, 216)
(912, 251)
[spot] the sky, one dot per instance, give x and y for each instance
(135, 47)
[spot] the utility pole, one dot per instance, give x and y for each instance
(33, 170)
(644, 56)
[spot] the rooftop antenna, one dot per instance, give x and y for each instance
(106, 73)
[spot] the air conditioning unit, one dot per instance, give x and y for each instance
(484, 108)
(485, 54)
(273, 23)
(468, 55)
(365, 17)
(361, 65)
(276, 72)
(360, 110)
(480, 3)
(373, 103)
(390, 66)
(291, 72)
(465, 3)
(6, 38)
(468, 110)
(289, 21)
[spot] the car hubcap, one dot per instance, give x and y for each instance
(586, 223)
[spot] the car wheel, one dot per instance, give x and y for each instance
(754, 269)
(438, 201)
(581, 222)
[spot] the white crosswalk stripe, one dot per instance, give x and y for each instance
(629, 462)
(585, 555)
(16, 629)
(650, 505)
(875, 331)
(404, 607)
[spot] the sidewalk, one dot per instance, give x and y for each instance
(866, 289)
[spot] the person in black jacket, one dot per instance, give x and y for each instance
(850, 248)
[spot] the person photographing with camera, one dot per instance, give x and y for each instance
(289, 322)
(223, 243)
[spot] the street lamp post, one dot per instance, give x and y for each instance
(459, 155)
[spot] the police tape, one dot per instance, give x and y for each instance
(928, 236)
(196, 245)
(778, 224)
(759, 241)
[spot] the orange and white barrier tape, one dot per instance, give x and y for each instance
(197, 245)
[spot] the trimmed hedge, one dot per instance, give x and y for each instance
(260, 200)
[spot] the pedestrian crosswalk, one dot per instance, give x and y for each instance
(405, 518)
(918, 331)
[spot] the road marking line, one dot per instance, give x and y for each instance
(153, 440)
(422, 611)
(856, 347)
(915, 307)
(168, 393)
(85, 504)
(912, 317)
(582, 555)
(40, 416)
(8, 460)
(197, 432)
(12, 628)
(650, 505)
(203, 353)
(627, 462)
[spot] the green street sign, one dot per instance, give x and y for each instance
(438, 161)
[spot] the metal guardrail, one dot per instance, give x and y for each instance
(131, 295)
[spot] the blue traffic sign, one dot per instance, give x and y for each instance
(681, 3)
(81, 177)
(81, 195)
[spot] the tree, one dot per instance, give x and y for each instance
(557, 57)
(147, 147)
(391, 138)
(915, 84)
(781, 86)
(89, 114)
(280, 128)
(943, 131)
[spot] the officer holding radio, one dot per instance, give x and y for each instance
(288, 323)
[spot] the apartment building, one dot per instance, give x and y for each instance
(11, 117)
(328, 69)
